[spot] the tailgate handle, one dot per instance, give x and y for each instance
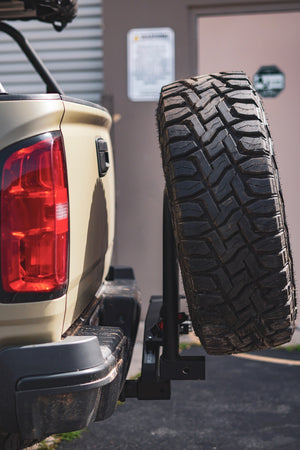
(102, 156)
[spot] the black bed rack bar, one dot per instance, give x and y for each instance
(17, 36)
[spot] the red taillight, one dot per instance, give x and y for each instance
(35, 218)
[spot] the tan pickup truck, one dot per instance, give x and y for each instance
(68, 320)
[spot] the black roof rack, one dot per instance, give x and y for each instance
(57, 12)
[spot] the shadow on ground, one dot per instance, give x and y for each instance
(243, 404)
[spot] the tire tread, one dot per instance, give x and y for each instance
(227, 213)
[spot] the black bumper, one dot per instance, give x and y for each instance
(51, 388)
(63, 386)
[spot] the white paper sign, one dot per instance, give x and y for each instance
(150, 62)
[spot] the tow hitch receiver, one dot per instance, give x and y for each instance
(163, 325)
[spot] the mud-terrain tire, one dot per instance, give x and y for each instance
(227, 213)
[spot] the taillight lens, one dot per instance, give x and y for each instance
(35, 218)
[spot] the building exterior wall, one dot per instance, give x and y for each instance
(138, 166)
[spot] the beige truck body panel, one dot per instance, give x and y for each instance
(92, 205)
(91, 211)
(21, 119)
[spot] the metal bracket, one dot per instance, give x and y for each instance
(41, 69)
(163, 325)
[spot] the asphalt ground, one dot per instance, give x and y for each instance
(249, 402)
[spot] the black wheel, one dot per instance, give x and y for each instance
(227, 212)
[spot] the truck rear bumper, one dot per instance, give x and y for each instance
(51, 388)
(63, 386)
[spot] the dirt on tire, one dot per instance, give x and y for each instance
(227, 212)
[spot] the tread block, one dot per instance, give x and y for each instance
(235, 265)
(208, 98)
(246, 110)
(257, 166)
(226, 113)
(220, 167)
(172, 102)
(261, 186)
(176, 89)
(183, 169)
(282, 278)
(253, 146)
(237, 74)
(223, 281)
(247, 232)
(190, 210)
(197, 264)
(210, 302)
(212, 128)
(239, 190)
(176, 114)
(269, 224)
(187, 188)
(244, 96)
(224, 188)
(202, 164)
(220, 86)
(193, 99)
(181, 148)
(272, 261)
(195, 126)
(177, 131)
(238, 83)
(232, 148)
(209, 111)
(204, 283)
(194, 228)
(227, 208)
(264, 206)
(216, 242)
(172, 86)
(277, 313)
(196, 248)
(209, 204)
(203, 87)
(216, 147)
(273, 244)
(249, 127)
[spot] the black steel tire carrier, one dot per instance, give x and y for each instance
(163, 325)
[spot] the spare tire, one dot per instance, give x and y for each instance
(227, 213)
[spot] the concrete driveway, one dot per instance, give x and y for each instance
(249, 402)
